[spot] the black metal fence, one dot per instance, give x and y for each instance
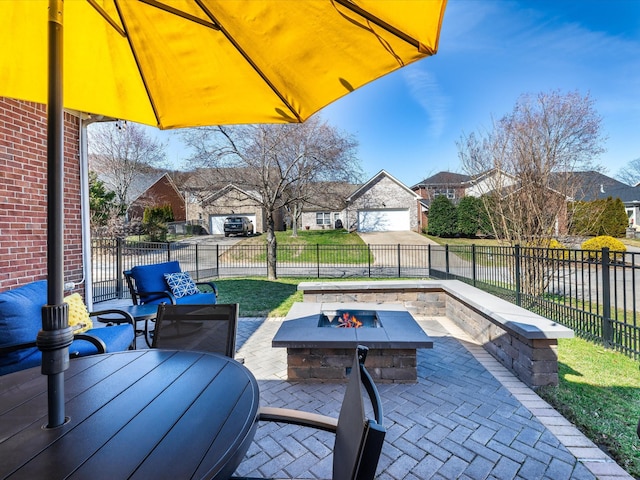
(112, 256)
(592, 292)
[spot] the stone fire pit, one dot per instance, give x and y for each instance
(318, 349)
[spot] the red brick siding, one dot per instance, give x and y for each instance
(23, 194)
(159, 194)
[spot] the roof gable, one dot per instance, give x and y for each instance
(376, 178)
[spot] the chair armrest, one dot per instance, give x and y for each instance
(14, 348)
(298, 417)
(208, 285)
(97, 342)
(128, 318)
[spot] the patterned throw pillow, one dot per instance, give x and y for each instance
(79, 318)
(181, 284)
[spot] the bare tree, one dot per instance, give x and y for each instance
(630, 174)
(523, 173)
(523, 167)
(279, 162)
(119, 152)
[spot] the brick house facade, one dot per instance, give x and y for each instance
(23, 194)
(161, 192)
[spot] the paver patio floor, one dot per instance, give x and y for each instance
(466, 417)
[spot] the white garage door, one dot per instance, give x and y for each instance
(216, 222)
(383, 220)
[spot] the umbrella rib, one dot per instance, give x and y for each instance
(384, 25)
(106, 16)
(180, 13)
(250, 61)
(135, 57)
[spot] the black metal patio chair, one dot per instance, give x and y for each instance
(206, 328)
(358, 440)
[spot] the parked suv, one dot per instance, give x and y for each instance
(237, 225)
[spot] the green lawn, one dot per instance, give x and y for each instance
(312, 246)
(599, 392)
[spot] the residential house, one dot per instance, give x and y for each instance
(155, 190)
(325, 205)
(450, 184)
(383, 203)
(233, 200)
(592, 185)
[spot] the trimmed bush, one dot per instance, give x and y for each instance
(442, 217)
(596, 244)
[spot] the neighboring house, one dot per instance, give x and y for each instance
(155, 190)
(382, 204)
(326, 204)
(591, 185)
(450, 184)
(23, 195)
(232, 200)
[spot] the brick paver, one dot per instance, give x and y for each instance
(466, 417)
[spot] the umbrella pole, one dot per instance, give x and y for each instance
(56, 335)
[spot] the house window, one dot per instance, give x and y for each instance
(450, 193)
(323, 218)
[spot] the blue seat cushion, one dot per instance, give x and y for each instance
(150, 278)
(20, 321)
(198, 298)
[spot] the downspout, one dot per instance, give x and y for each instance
(84, 214)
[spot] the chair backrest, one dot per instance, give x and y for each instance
(206, 328)
(358, 440)
(149, 278)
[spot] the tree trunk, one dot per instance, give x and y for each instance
(294, 222)
(272, 248)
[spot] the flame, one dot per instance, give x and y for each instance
(349, 321)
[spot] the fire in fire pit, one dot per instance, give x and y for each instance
(349, 319)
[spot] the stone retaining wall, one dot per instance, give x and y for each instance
(522, 341)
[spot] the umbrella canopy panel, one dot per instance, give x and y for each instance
(185, 63)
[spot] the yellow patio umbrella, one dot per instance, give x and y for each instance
(180, 63)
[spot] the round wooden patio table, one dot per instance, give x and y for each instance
(137, 414)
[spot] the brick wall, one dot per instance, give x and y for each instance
(23, 195)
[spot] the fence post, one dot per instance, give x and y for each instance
(318, 259)
(369, 258)
(399, 265)
(607, 326)
(429, 258)
(119, 269)
(516, 253)
(446, 259)
(473, 264)
(218, 260)
(197, 264)
(168, 252)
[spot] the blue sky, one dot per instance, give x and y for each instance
(491, 52)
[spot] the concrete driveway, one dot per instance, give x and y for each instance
(395, 238)
(412, 256)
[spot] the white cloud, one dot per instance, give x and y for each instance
(425, 90)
